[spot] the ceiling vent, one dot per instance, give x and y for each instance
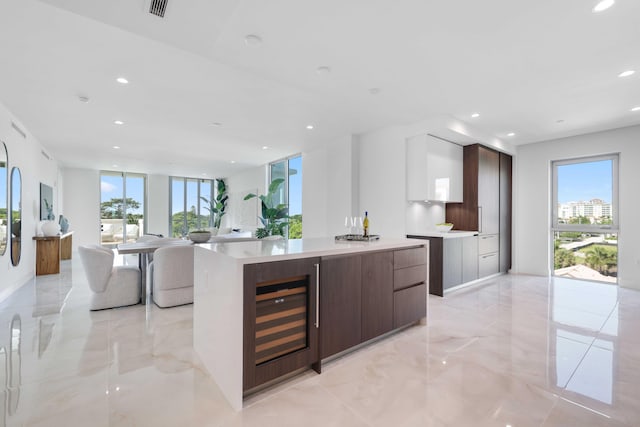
(158, 7)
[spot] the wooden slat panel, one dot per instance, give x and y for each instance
(283, 340)
(280, 351)
(280, 314)
(281, 280)
(280, 328)
(282, 293)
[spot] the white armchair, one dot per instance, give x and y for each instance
(171, 275)
(112, 286)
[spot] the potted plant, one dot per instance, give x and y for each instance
(275, 217)
(217, 207)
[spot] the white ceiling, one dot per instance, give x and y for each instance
(523, 65)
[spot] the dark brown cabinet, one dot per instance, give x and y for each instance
(280, 313)
(486, 207)
(340, 304)
(367, 295)
(377, 294)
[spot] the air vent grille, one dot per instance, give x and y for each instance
(158, 7)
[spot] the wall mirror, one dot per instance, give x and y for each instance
(16, 215)
(4, 198)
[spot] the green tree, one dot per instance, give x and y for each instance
(601, 258)
(295, 227)
(579, 220)
(114, 208)
(563, 258)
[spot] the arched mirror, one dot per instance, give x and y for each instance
(4, 198)
(16, 215)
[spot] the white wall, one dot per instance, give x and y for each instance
(158, 204)
(533, 187)
(330, 187)
(26, 154)
(82, 205)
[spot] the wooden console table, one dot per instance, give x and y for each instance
(50, 250)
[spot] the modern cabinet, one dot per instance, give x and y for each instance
(377, 294)
(340, 303)
(486, 206)
(506, 187)
(50, 250)
(434, 169)
(363, 296)
(452, 261)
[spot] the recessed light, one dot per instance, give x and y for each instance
(264, 147)
(309, 127)
(118, 122)
(116, 147)
(635, 109)
(83, 98)
(511, 134)
(323, 70)
(253, 40)
(374, 90)
(474, 115)
(603, 5)
(627, 73)
(122, 80)
(232, 161)
(114, 166)
(560, 121)
(216, 124)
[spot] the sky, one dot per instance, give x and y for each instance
(585, 181)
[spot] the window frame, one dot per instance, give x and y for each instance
(185, 181)
(286, 161)
(603, 228)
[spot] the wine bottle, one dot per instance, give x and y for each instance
(365, 224)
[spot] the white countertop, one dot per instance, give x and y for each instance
(278, 250)
(453, 234)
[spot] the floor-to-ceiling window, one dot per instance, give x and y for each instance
(188, 210)
(585, 218)
(290, 193)
(122, 206)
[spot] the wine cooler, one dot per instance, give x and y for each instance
(280, 319)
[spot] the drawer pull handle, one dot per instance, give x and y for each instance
(317, 324)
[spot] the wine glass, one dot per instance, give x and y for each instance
(358, 225)
(347, 224)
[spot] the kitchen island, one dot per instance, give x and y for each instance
(268, 308)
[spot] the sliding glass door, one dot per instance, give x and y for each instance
(585, 223)
(122, 207)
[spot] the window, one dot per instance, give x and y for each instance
(290, 194)
(187, 210)
(122, 207)
(585, 218)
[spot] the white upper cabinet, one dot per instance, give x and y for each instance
(434, 169)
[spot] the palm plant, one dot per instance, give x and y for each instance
(217, 207)
(275, 216)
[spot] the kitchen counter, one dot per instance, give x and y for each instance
(453, 234)
(218, 311)
(252, 252)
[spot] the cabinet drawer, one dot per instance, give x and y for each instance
(409, 257)
(488, 264)
(488, 243)
(409, 305)
(406, 277)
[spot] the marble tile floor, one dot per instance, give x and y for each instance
(515, 351)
